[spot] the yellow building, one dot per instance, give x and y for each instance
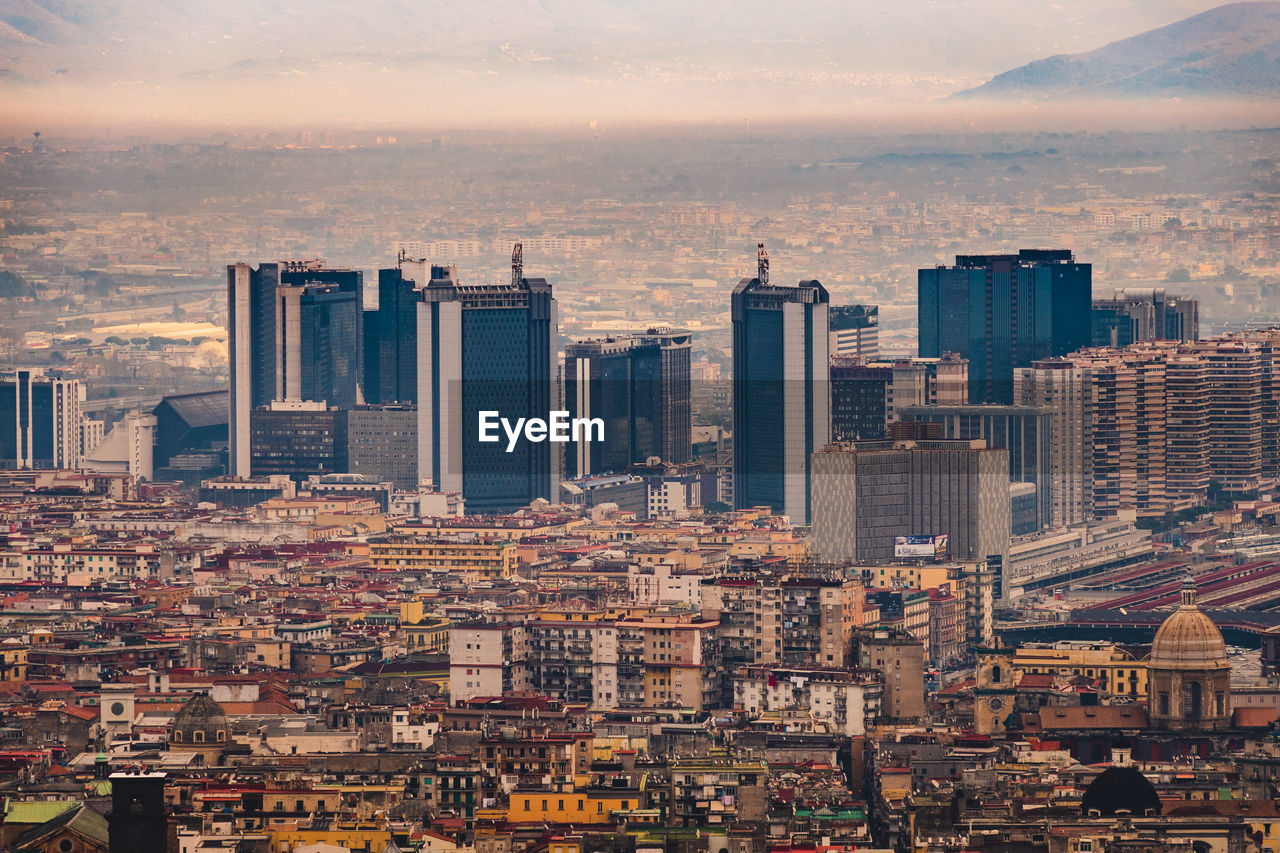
(354, 835)
(583, 806)
(426, 635)
(13, 660)
(474, 559)
(1116, 671)
(775, 543)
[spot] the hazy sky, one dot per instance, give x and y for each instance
(511, 63)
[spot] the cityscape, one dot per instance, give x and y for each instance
(898, 478)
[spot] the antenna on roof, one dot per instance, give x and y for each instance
(517, 264)
(762, 264)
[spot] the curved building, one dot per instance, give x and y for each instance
(1189, 677)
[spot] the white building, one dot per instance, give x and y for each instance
(487, 660)
(836, 700)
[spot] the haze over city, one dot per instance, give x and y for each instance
(508, 64)
(639, 426)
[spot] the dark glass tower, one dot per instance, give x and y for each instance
(318, 344)
(254, 335)
(488, 348)
(1005, 311)
(391, 333)
(639, 386)
(780, 394)
(598, 384)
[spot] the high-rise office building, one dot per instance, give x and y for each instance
(867, 494)
(40, 420)
(382, 444)
(859, 399)
(1024, 431)
(254, 334)
(391, 333)
(639, 386)
(318, 331)
(1144, 314)
(854, 330)
(488, 348)
(598, 384)
(667, 392)
(1067, 392)
(868, 396)
(780, 390)
(1005, 311)
(298, 439)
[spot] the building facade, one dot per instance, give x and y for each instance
(867, 494)
(41, 421)
(487, 348)
(1005, 311)
(780, 397)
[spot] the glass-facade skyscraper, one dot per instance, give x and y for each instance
(259, 341)
(487, 348)
(1005, 311)
(391, 333)
(780, 391)
(639, 386)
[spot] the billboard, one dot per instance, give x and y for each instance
(920, 546)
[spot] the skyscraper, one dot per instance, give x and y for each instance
(488, 348)
(391, 333)
(780, 393)
(40, 420)
(1005, 311)
(639, 385)
(254, 338)
(318, 330)
(1024, 431)
(1066, 390)
(1144, 314)
(665, 393)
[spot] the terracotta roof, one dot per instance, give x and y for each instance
(1093, 717)
(1253, 718)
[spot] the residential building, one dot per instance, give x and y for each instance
(1066, 390)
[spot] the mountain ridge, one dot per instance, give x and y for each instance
(1231, 50)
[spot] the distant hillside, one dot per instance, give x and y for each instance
(1233, 50)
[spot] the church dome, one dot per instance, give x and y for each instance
(200, 721)
(1121, 789)
(1188, 639)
